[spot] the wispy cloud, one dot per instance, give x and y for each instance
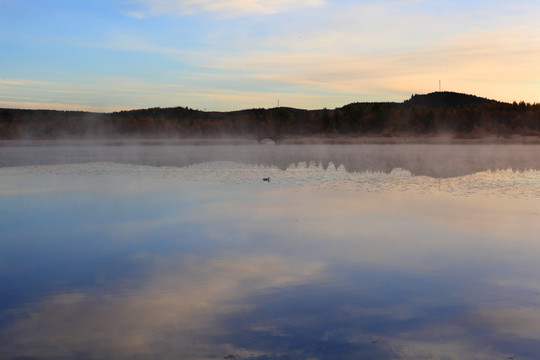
(24, 82)
(471, 62)
(224, 7)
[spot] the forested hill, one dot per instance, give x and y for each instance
(461, 114)
(444, 99)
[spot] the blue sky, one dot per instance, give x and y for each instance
(106, 55)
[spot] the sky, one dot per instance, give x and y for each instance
(110, 55)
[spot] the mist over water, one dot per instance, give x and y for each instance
(348, 252)
(419, 159)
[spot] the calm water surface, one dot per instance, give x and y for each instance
(349, 252)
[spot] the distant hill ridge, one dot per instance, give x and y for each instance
(438, 112)
(448, 99)
(434, 99)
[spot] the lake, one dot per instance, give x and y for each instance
(348, 252)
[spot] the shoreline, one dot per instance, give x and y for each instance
(293, 140)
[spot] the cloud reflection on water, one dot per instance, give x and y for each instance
(170, 311)
(317, 264)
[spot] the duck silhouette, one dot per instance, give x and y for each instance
(266, 179)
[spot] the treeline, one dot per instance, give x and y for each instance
(461, 114)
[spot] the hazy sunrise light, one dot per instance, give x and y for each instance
(106, 55)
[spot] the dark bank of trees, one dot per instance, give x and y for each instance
(460, 114)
